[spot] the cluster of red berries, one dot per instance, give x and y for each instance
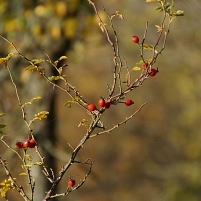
(28, 143)
(153, 71)
(102, 103)
(71, 182)
(106, 104)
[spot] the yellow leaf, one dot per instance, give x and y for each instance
(136, 68)
(2, 114)
(62, 58)
(31, 67)
(6, 59)
(7, 184)
(39, 163)
(23, 174)
(28, 157)
(9, 56)
(101, 27)
(41, 115)
(35, 98)
(2, 60)
(26, 166)
(37, 61)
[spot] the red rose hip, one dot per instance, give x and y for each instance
(101, 102)
(19, 145)
(144, 66)
(91, 107)
(153, 72)
(135, 39)
(32, 143)
(71, 182)
(26, 144)
(107, 104)
(129, 102)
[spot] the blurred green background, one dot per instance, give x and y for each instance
(154, 157)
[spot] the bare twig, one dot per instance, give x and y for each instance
(119, 124)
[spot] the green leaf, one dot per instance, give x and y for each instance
(78, 98)
(168, 7)
(179, 13)
(69, 103)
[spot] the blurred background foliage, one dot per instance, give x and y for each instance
(157, 155)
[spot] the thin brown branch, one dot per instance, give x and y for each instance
(120, 123)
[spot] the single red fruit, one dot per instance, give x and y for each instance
(71, 182)
(91, 107)
(101, 102)
(32, 143)
(135, 39)
(153, 72)
(107, 104)
(19, 145)
(144, 66)
(26, 144)
(129, 102)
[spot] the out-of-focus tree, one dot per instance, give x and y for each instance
(37, 28)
